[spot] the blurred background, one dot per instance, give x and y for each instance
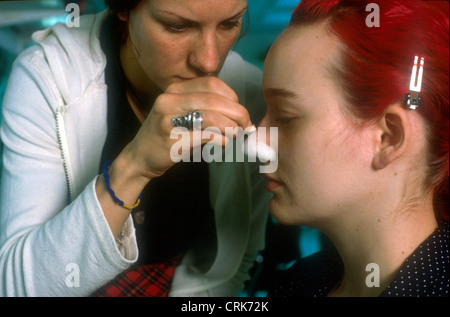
(267, 19)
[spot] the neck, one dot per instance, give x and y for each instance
(141, 91)
(386, 240)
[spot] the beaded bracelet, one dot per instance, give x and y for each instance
(116, 199)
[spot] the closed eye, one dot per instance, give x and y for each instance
(228, 25)
(283, 120)
(175, 28)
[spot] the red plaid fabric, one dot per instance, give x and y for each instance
(143, 281)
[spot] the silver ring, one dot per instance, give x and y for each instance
(193, 121)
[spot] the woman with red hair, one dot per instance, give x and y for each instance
(359, 93)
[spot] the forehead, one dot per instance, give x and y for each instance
(199, 9)
(301, 56)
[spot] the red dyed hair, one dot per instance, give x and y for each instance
(376, 67)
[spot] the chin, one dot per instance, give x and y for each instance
(288, 213)
(282, 213)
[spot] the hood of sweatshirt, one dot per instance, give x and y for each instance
(81, 55)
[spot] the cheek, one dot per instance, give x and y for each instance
(300, 147)
(152, 47)
(226, 41)
(319, 169)
(334, 177)
(160, 58)
(157, 50)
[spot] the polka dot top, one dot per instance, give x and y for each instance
(425, 273)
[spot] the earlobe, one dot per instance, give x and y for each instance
(393, 135)
(123, 16)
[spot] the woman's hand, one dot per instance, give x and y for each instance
(218, 104)
(148, 155)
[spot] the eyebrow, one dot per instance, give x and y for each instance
(281, 92)
(238, 15)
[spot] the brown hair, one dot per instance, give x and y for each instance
(121, 6)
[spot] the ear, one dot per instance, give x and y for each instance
(394, 133)
(123, 16)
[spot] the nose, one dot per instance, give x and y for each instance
(264, 122)
(266, 130)
(259, 145)
(204, 56)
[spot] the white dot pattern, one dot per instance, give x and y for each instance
(423, 274)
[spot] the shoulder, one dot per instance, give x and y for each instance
(72, 54)
(425, 271)
(31, 73)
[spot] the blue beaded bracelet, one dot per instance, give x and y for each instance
(116, 199)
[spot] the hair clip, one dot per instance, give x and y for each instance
(413, 98)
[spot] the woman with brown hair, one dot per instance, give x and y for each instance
(87, 175)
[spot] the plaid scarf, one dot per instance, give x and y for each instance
(152, 280)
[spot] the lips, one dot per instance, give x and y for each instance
(272, 184)
(184, 78)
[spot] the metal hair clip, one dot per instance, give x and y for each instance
(413, 98)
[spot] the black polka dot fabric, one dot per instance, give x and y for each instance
(313, 276)
(423, 274)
